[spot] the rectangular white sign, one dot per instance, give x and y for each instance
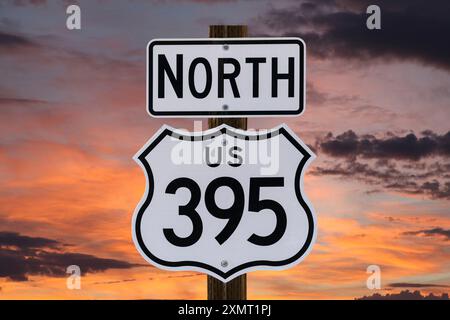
(226, 77)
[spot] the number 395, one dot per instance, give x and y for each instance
(233, 214)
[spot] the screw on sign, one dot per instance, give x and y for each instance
(215, 204)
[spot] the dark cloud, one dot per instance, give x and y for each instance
(213, 1)
(13, 41)
(415, 285)
(409, 163)
(115, 281)
(411, 29)
(23, 256)
(405, 295)
(20, 101)
(437, 189)
(23, 3)
(408, 147)
(26, 2)
(24, 242)
(179, 276)
(390, 177)
(430, 233)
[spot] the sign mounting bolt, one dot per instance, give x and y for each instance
(224, 263)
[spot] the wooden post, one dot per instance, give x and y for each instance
(235, 289)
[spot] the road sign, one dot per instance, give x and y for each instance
(224, 201)
(230, 77)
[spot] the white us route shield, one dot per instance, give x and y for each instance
(224, 201)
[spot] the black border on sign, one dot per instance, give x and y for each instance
(223, 41)
(225, 130)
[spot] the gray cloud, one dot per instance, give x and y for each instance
(392, 177)
(7, 99)
(411, 29)
(430, 233)
(26, 2)
(14, 41)
(23, 256)
(23, 3)
(415, 285)
(405, 295)
(409, 147)
(25, 242)
(67, 2)
(115, 281)
(399, 163)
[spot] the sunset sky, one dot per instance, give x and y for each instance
(72, 115)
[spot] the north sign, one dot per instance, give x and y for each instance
(232, 77)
